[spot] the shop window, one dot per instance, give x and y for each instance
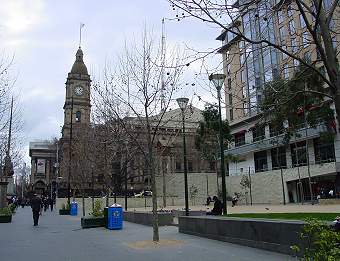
(258, 133)
(324, 151)
(178, 166)
(190, 166)
(299, 154)
(260, 159)
(212, 166)
(276, 129)
(240, 139)
(278, 156)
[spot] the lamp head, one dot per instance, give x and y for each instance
(182, 103)
(217, 79)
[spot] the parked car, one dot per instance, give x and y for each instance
(139, 195)
(147, 193)
(144, 193)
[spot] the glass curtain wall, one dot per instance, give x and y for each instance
(260, 61)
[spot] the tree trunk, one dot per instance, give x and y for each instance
(107, 198)
(337, 109)
(92, 203)
(164, 184)
(154, 195)
(151, 169)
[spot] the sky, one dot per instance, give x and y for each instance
(43, 37)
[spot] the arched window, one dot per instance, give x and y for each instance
(78, 116)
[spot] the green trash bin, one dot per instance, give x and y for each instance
(106, 211)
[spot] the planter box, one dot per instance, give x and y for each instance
(88, 222)
(145, 218)
(6, 219)
(64, 212)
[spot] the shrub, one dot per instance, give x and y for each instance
(65, 206)
(322, 243)
(6, 211)
(12, 208)
(97, 210)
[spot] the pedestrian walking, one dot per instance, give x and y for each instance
(36, 209)
(50, 202)
(234, 199)
(45, 201)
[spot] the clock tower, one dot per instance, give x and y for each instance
(77, 107)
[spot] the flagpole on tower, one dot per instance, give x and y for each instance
(80, 27)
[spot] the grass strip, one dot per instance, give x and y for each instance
(290, 216)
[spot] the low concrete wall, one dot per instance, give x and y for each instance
(145, 218)
(272, 235)
(329, 201)
(178, 213)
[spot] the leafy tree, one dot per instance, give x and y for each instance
(289, 100)
(207, 136)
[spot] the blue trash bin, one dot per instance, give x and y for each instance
(115, 217)
(74, 208)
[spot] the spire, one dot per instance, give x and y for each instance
(79, 55)
(79, 66)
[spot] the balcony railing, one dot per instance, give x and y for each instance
(272, 142)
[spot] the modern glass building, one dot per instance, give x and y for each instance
(306, 166)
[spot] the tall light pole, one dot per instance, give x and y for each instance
(182, 103)
(70, 158)
(218, 80)
(23, 175)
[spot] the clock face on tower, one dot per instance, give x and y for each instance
(78, 90)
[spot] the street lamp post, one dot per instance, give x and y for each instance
(182, 103)
(70, 158)
(218, 80)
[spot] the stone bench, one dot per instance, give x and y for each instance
(145, 218)
(272, 235)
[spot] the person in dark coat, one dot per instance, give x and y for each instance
(46, 203)
(36, 208)
(336, 224)
(208, 200)
(218, 207)
(50, 202)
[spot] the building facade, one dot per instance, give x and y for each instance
(43, 177)
(77, 111)
(98, 158)
(306, 166)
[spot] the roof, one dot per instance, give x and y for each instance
(42, 145)
(79, 66)
(173, 118)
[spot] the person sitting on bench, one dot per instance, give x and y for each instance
(218, 207)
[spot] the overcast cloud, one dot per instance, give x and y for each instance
(44, 35)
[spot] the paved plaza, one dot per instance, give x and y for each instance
(60, 238)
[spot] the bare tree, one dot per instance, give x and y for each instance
(137, 95)
(82, 150)
(7, 94)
